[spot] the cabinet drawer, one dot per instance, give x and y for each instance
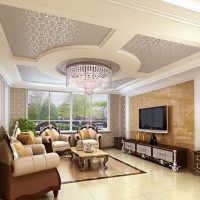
(129, 146)
(163, 154)
(144, 150)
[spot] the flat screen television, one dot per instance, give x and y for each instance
(153, 119)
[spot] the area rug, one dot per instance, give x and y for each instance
(70, 172)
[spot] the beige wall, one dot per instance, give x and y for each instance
(4, 103)
(17, 104)
(180, 100)
(116, 116)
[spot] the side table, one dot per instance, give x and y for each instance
(118, 142)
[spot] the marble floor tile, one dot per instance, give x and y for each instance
(159, 183)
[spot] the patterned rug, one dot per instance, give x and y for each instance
(70, 172)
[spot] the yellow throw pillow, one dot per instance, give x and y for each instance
(20, 149)
(27, 137)
(50, 133)
(84, 133)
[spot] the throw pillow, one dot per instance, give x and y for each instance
(20, 149)
(50, 133)
(56, 133)
(84, 133)
(92, 133)
(27, 138)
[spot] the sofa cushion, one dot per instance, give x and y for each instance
(91, 141)
(18, 147)
(84, 133)
(58, 144)
(37, 163)
(27, 137)
(37, 148)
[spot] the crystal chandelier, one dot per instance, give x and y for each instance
(88, 77)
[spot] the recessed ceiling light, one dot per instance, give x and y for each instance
(193, 5)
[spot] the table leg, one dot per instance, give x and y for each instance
(82, 164)
(72, 155)
(105, 161)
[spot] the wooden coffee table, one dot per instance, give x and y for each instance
(85, 157)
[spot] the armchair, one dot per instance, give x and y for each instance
(89, 134)
(24, 178)
(54, 141)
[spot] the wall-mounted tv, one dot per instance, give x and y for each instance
(153, 119)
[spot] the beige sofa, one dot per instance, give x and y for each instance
(88, 134)
(27, 177)
(54, 141)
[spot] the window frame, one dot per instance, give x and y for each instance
(71, 109)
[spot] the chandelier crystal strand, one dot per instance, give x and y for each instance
(88, 77)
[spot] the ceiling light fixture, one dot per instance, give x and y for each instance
(88, 77)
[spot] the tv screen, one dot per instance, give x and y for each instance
(153, 119)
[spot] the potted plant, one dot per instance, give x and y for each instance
(26, 125)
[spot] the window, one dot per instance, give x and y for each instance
(67, 111)
(38, 108)
(60, 110)
(100, 111)
(81, 110)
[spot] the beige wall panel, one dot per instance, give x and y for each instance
(115, 121)
(17, 103)
(180, 100)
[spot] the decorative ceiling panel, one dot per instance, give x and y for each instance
(32, 74)
(155, 53)
(31, 33)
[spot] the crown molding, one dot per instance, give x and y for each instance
(162, 9)
(51, 87)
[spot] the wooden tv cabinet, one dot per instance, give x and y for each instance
(170, 156)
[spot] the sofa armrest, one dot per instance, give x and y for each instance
(46, 139)
(65, 137)
(31, 164)
(37, 148)
(98, 136)
(38, 139)
(77, 137)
